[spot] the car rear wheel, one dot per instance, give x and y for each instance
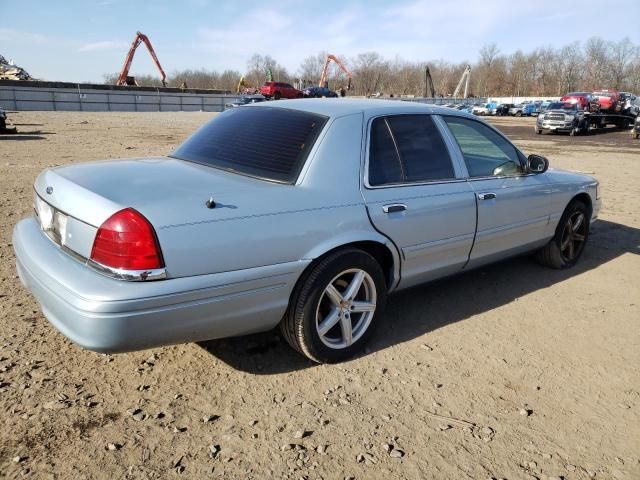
(572, 233)
(335, 306)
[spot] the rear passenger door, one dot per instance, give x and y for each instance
(416, 196)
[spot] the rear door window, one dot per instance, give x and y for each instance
(406, 149)
(264, 142)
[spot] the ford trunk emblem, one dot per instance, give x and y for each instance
(49, 190)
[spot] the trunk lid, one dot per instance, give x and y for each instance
(166, 191)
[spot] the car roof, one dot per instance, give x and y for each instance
(338, 107)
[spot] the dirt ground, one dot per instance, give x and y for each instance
(513, 371)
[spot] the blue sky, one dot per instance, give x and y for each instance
(81, 40)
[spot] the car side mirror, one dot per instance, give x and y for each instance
(537, 163)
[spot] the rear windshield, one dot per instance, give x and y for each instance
(266, 142)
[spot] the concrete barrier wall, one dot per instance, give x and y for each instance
(518, 100)
(79, 99)
(51, 96)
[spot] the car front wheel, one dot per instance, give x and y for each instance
(335, 306)
(572, 233)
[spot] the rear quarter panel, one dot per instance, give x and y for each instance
(322, 211)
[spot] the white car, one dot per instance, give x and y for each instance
(480, 110)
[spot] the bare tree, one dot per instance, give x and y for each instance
(542, 72)
(622, 54)
(367, 70)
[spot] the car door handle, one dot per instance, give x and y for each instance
(394, 207)
(486, 196)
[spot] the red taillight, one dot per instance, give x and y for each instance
(127, 241)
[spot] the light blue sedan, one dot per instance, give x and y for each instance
(305, 213)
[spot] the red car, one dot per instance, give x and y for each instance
(609, 100)
(279, 90)
(586, 101)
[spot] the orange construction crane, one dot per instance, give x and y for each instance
(323, 78)
(124, 78)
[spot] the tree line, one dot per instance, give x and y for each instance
(545, 71)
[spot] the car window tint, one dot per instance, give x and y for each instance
(407, 148)
(264, 142)
(384, 162)
(485, 152)
(423, 153)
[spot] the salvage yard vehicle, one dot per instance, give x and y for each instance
(531, 109)
(515, 110)
(304, 214)
(562, 117)
(481, 109)
(3, 123)
(503, 109)
(628, 104)
(278, 90)
(585, 100)
(608, 100)
(246, 100)
(318, 92)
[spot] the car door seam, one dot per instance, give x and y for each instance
(475, 233)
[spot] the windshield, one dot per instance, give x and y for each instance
(563, 106)
(263, 142)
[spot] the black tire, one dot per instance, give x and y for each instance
(636, 135)
(300, 325)
(518, 114)
(539, 131)
(555, 253)
(277, 95)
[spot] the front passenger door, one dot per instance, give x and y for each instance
(513, 205)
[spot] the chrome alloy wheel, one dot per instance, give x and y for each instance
(573, 236)
(345, 308)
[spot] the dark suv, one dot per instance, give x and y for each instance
(278, 90)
